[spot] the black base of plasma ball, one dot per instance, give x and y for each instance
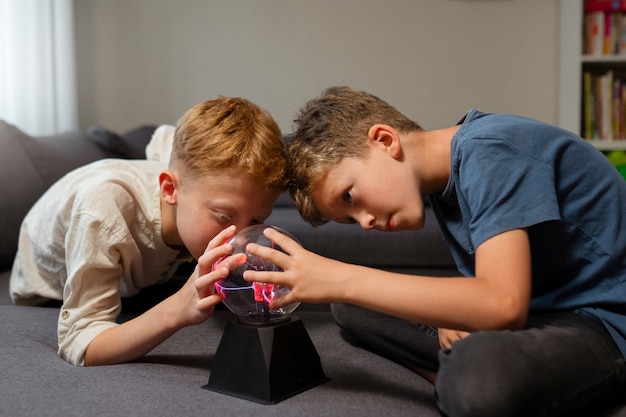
(265, 364)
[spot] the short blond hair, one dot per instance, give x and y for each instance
(329, 129)
(230, 134)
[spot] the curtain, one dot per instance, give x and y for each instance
(38, 65)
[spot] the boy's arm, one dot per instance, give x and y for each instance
(135, 338)
(192, 304)
(497, 297)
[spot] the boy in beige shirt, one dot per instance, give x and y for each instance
(113, 227)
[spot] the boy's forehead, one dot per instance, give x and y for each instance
(325, 189)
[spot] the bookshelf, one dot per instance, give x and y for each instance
(586, 106)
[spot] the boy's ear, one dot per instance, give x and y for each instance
(168, 183)
(385, 137)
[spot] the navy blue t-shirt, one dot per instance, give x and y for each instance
(510, 172)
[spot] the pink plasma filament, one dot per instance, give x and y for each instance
(262, 292)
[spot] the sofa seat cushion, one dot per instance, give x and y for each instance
(168, 381)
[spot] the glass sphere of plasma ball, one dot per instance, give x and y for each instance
(250, 300)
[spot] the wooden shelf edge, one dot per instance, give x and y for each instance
(609, 145)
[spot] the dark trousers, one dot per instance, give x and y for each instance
(560, 363)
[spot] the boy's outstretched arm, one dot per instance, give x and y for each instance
(192, 304)
(497, 297)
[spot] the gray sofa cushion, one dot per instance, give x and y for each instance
(32, 164)
(29, 166)
(285, 200)
(415, 250)
(130, 145)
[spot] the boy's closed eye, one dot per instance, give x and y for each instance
(223, 217)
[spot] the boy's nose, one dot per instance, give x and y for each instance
(366, 221)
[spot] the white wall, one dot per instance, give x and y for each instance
(147, 61)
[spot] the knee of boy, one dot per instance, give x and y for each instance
(472, 382)
(357, 319)
(345, 315)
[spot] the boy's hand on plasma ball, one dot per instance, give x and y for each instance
(213, 265)
(309, 276)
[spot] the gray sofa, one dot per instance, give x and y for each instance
(168, 381)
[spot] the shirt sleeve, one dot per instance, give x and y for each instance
(160, 146)
(91, 294)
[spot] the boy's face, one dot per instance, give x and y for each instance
(206, 205)
(379, 192)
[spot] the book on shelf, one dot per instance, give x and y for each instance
(604, 27)
(604, 106)
(605, 5)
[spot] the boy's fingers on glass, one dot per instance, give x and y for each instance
(282, 240)
(221, 238)
(229, 262)
(267, 253)
(257, 276)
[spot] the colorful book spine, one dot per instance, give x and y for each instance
(594, 33)
(605, 27)
(588, 119)
(605, 6)
(604, 106)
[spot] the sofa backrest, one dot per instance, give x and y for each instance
(30, 165)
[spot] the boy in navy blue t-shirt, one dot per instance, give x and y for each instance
(535, 218)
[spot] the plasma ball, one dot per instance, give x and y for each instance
(251, 301)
